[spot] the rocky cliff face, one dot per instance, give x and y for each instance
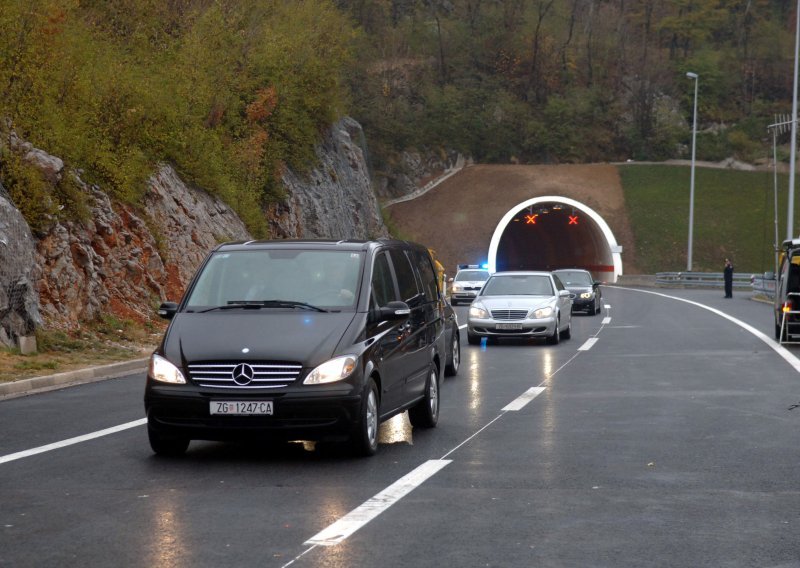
(19, 312)
(126, 260)
(335, 200)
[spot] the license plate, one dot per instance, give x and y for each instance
(241, 407)
(508, 326)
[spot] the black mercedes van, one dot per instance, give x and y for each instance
(299, 340)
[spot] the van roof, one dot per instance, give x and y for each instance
(345, 244)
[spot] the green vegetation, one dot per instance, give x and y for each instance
(733, 217)
(554, 81)
(229, 92)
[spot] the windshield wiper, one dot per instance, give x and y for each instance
(258, 304)
(291, 304)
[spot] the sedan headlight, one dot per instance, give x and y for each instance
(456, 287)
(478, 311)
(543, 312)
(332, 371)
(586, 295)
(165, 372)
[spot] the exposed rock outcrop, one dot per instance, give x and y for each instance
(126, 259)
(412, 171)
(19, 305)
(335, 200)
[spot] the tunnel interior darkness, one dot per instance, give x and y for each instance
(549, 235)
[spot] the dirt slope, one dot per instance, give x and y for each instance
(457, 217)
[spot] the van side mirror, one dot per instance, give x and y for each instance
(390, 312)
(167, 310)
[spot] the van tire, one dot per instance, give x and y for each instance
(364, 439)
(425, 414)
(166, 445)
(454, 361)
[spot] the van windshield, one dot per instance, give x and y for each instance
(327, 278)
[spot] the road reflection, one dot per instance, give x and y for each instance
(474, 372)
(170, 534)
(396, 430)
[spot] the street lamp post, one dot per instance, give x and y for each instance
(691, 183)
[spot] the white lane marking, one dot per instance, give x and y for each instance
(589, 344)
(462, 326)
(774, 345)
(607, 306)
(605, 321)
(373, 507)
(524, 399)
(71, 441)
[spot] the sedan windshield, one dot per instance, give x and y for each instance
(278, 279)
(518, 285)
(471, 276)
(574, 277)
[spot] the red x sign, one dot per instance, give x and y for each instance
(573, 220)
(531, 219)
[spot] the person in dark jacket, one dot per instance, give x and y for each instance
(728, 275)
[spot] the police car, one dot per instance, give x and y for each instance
(467, 283)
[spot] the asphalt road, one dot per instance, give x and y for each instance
(659, 435)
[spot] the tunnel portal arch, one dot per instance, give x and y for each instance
(551, 232)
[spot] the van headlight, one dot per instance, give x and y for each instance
(543, 312)
(163, 371)
(332, 371)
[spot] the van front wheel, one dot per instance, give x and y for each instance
(166, 445)
(364, 439)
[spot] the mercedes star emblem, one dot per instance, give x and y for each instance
(242, 374)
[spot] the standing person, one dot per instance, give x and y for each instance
(728, 274)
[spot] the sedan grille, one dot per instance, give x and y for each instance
(507, 315)
(245, 375)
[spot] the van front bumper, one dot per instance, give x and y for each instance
(184, 411)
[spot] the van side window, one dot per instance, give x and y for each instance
(382, 283)
(405, 275)
(426, 272)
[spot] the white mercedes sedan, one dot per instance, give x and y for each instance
(521, 304)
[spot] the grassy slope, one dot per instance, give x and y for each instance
(733, 217)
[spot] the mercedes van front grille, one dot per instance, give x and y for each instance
(244, 375)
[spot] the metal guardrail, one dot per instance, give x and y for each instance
(764, 285)
(701, 279)
(760, 284)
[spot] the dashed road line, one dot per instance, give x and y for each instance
(373, 507)
(524, 399)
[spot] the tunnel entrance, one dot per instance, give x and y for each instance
(548, 233)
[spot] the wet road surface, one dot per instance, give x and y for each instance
(659, 435)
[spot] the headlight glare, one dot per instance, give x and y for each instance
(543, 312)
(478, 311)
(586, 295)
(332, 371)
(163, 371)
